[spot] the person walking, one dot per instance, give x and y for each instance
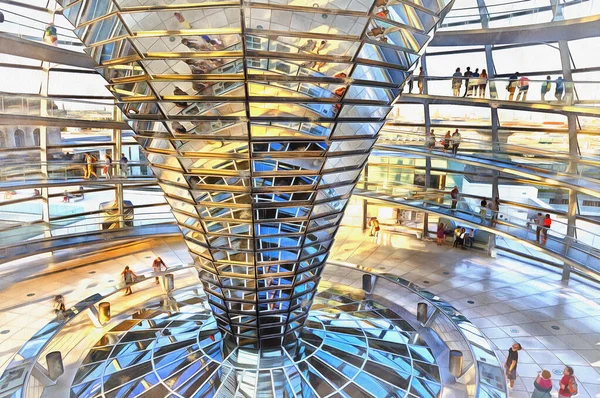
(559, 88)
(454, 195)
(511, 363)
(456, 82)
(431, 141)
(513, 81)
(483, 210)
(523, 88)
(129, 277)
(421, 79)
(539, 226)
(447, 141)
(157, 264)
(568, 383)
(441, 234)
(123, 165)
(545, 88)
(547, 224)
(59, 305)
(495, 207)
(466, 76)
(482, 83)
(455, 141)
(91, 165)
(542, 385)
(107, 166)
(374, 224)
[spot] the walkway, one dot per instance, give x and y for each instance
(530, 106)
(556, 323)
(584, 258)
(18, 250)
(584, 185)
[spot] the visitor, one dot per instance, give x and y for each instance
(157, 264)
(513, 81)
(523, 88)
(123, 165)
(194, 45)
(374, 224)
(482, 83)
(91, 166)
(483, 210)
(431, 141)
(542, 385)
(107, 166)
(59, 305)
(455, 141)
(420, 80)
(546, 88)
(547, 224)
(559, 89)
(495, 208)
(454, 195)
(457, 237)
(129, 277)
(411, 81)
(441, 235)
(539, 226)
(308, 46)
(181, 19)
(469, 238)
(568, 383)
(467, 75)
(447, 141)
(456, 82)
(511, 363)
(474, 83)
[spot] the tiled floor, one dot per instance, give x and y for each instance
(557, 324)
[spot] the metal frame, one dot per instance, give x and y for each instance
(259, 181)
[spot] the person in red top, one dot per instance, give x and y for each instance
(568, 384)
(547, 224)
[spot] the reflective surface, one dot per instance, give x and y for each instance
(257, 118)
(350, 347)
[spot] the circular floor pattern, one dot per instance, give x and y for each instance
(349, 347)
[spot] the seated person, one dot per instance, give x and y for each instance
(469, 238)
(458, 240)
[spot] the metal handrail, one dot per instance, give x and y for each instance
(452, 315)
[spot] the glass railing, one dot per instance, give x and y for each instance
(30, 105)
(511, 219)
(26, 27)
(452, 327)
(516, 13)
(539, 91)
(554, 161)
(16, 380)
(23, 233)
(70, 170)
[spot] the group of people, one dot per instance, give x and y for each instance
(462, 236)
(494, 206)
(474, 82)
(91, 160)
(521, 82)
(542, 226)
(542, 385)
(129, 277)
(449, 142)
